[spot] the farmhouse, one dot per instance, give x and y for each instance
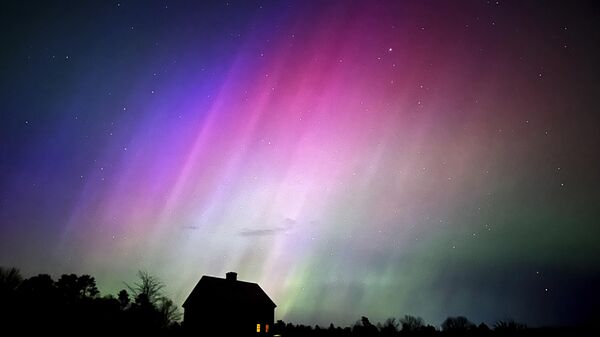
(227, 306)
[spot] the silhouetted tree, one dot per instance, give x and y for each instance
(39, 288)
(411, 323)
(457, 324)
(123, 298)
(390, 327)
(169, 311)
(151, 309)
(10, 279)
(74, 287)
(428, 330)
(279, 327)
(39, 304)
(86, 285)
(364, 327)
(103, 313)
(67, 287)
(483, 328)
(143, 315)
(509, 325)
(148, 287)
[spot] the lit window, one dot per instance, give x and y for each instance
(266, 327)
(258, 327)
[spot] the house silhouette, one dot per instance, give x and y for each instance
(227, 306)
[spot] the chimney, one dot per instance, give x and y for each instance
(231, 276)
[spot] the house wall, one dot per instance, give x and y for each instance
(210, 319)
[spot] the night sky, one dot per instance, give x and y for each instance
(374, 158)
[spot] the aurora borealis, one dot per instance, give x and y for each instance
(374, 158)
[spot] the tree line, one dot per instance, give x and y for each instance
(73, 304)
(415, 326)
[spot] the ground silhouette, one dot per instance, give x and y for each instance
(73, 305)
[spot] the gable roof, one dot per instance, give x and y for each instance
(212, 289)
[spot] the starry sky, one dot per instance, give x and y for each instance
(374, 158)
